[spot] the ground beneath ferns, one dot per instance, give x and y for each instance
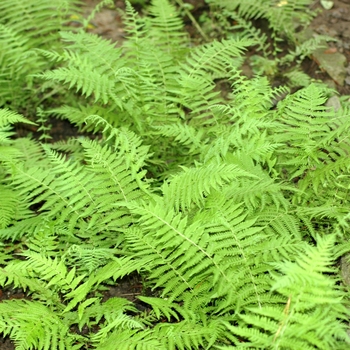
(334, 22)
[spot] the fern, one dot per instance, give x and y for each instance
(8, 208)
(229, 210)
(197, 184)
(311, 316)
(318, 161)
(166, 25)
(36, 326)
(38, 27)
(285, 21)
(76, 201)
(280, 15)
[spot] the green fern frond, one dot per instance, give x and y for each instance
(119, 321)
(194, 184)
(251, 9)
(25, 227)
(108, 78)
(123, 140)
(216, 59)
(10, 117)
(163, 307)
(184, 134)
(134, 27)
(255, 94)
(92, 310)
(327, 174)
(156, 45)
(54, 271)
(259, 189)
(82, 116)
(190, 319)
(115, 269)
(217, 150)
(236, 238)
(302, 114)
(172, 270)
(186, 334)
(315, 151)
(40, 185)
(71, 147)
(131, 339)
(313, 310)
(280, 15)
(17, 274)
(165, 274)
(31, 152)
(165, 28)
(38, 27)
(89, 258)
(36, 327)
(35, 15)
(297, 78)
(100, 86)
(199, 96)
(45, 241)
(247, 30)
(17, 61)
(66, 189)
(116, 179)
(8, 208)
(216, 254)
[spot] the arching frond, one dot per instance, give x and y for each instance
(311, 298)
(35, 326)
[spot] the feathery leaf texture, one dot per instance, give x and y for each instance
(230, 210)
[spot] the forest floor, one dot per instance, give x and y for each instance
(334, 23)
(108, 23)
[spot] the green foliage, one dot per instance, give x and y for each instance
(26, 26)
(279, 23)
(311, 297)
(230, 210)
(282, 16)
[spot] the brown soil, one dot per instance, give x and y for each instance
(335, 23)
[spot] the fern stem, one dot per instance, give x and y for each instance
(193, 20)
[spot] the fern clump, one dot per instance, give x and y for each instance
(280, 22)
(26, 27)
(230, 210)
(310, 311)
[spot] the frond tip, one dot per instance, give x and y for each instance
(35, 326)
(313, 311)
